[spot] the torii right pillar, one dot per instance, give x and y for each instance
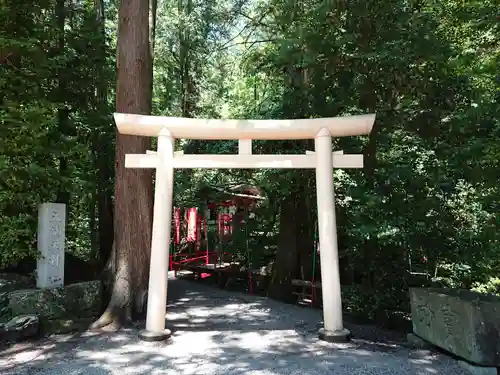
(333, 329)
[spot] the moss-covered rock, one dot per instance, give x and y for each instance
(60, 310)
(10, 282)
(19, 328)
(55, 326)
(73, 301)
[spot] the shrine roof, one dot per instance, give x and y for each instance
(228, 192)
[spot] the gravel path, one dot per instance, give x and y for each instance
(217, 332)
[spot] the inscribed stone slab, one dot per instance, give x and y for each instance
(51, 245)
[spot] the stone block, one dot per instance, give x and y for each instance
(76, 300)
(477, 370)
(418, 343)
(51, 244)
(461, 322)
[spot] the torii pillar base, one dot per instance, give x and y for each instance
(150, 336)
(341, 336)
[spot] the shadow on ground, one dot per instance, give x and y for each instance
(217, 332)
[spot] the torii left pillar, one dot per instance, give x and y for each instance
(162, 220)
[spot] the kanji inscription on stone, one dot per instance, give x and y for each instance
(51, 244)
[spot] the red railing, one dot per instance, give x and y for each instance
(176, 264)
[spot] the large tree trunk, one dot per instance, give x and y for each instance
(185, 63)
(103, 145)
(63, 195)
(285, 265)
(295, 247)
(133, 187)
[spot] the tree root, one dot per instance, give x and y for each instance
(110, 320)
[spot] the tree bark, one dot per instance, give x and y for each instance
(185, 64)
(63, 195)
(285, 265)
(153, 5)
(103, 145)
(296, 242)
(133, 211)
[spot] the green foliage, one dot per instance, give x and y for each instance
(492, 286)
(454, 275)
(28, 176)
(49, 117)
(430, 73)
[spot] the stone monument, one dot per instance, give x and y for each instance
(459, 321)
(51, 245)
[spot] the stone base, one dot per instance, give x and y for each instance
(417, 342)
(63, 326)
(151, 336)
(478, 370)
(341, 336)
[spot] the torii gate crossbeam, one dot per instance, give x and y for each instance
(165, 160)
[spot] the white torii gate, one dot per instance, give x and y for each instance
(165, 160)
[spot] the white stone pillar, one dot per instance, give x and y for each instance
(333, 330)
(162, 221)
(51, 242)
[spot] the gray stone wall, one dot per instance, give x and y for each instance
(464, 323)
